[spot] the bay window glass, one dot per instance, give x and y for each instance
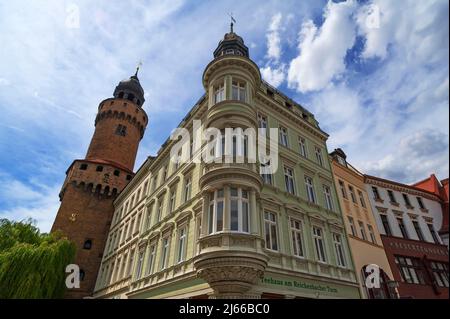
(238, 91)
(219, 93)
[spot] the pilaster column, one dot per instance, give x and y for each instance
(205, 223)
(253, 213)
(226, 208)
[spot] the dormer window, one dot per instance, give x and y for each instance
(229, 51)
(341, 160)
(238, 89)
(219, 93)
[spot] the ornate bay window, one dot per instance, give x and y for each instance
(229, 204)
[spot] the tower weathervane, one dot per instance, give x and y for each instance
(138, 67)
(232, 21)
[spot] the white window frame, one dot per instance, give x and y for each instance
(182, 241)
(187, 191)
(165, 252)
(151, 258)
(238, 87)
(372, 236)
(309, 184)
(328, 197)
(362, 230)
(289, 175)
(219, 92)
(298, 247)
(339, 250)
(284, 137)
(213, 211)
(303, 147)
(319, 156)
(241, 202)
(140, 263)
(272, 224)
(319, 242)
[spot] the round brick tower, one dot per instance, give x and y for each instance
(92, 184)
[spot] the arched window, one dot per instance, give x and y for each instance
(87, 244)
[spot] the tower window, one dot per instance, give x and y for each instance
(139, 102)
(116, 172)
(121, 130)
(83, 167)
(130, 97)
(87, 244)
(128, 177)
(121, 95)
(99, 168)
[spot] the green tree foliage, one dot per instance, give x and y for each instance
(32, 265)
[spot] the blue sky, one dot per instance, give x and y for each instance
(375, 74)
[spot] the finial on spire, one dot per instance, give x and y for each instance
(138, 67)
(232, 21)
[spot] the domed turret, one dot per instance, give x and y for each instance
(130, 89)
(232, 44)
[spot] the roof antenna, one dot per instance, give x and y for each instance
(232, 21)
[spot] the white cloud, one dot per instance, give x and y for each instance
(273, 38)
(30, 200)
(323, 50)
(275, 76)
(416, 157)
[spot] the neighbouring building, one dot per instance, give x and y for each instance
(409, 219)
(92, 183)
(223, 230)
(440, 189)
(364, 238)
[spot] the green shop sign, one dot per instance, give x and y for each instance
(299, 284)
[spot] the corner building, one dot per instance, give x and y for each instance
(216, 230)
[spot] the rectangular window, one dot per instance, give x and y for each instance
(284, 136)
(386, 225)
(411, 270)
(376, 194)
(402, 227)
(140, 263)
(434, 234)
(372, 234)
(238, 91)
(392, 196)
(151, 259)
(361, 199)
(187, 189)
(362, 230)
(407, 201)
(342, 188)
(297, 237)
(319, 244)
(352, 226)
(164, 253)
(440, 273)
(216, 209)
(319, 156)
(159, 213)
(219, 93)
(418, 230)
(270, 227)
(339, 249)
(328, 197)
(302, 145)
(310, 189)
(289, 180)
(420, 202)
(173, 197)
(352, 194)
(130, 263)
(262, 123)
(181, 244)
